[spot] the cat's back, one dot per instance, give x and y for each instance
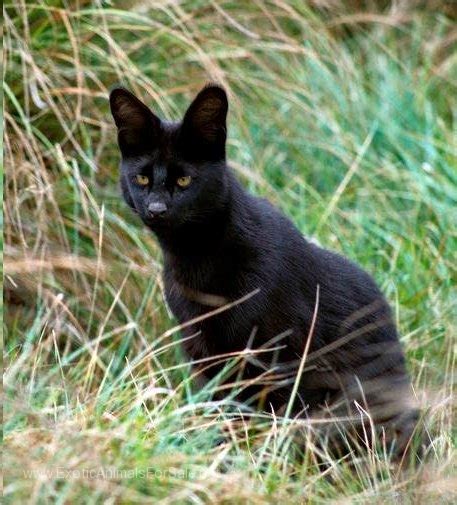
(299, 266)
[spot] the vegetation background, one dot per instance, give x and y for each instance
(343, 113)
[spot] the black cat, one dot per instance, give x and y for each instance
(221, 245)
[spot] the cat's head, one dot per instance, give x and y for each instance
(172, 173)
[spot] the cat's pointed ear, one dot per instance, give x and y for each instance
(137, 126)
(204, 125)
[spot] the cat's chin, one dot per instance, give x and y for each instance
(157, 224)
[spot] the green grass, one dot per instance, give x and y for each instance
(344, 119)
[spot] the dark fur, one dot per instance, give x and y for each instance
(220, 243)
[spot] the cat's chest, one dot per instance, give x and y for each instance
(197, 295)
(209, 306)
(208, 280)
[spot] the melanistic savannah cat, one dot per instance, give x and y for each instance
(221, 244)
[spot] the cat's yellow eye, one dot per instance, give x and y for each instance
(142, 180)
(183, 181)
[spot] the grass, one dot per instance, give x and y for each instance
(343, 117)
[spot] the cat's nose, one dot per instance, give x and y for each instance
(156, 209)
